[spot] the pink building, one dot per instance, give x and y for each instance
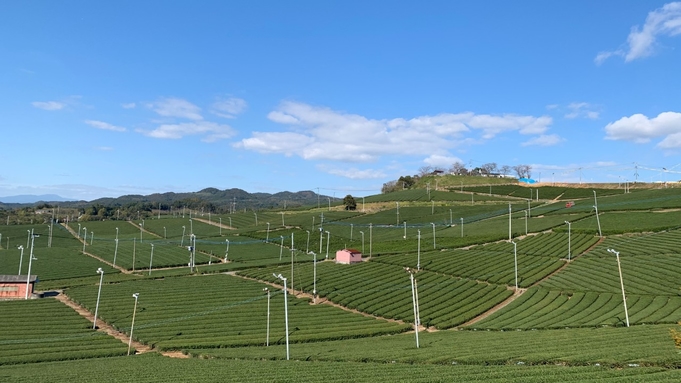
(14, 286)
(348, 256)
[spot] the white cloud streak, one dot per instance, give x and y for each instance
(176, 107)
(130, 105)
(640, 129)
(641, 42)
(229, 108)
(544, 140)
(211, 131)
(104, 126)
(49, 105)
(582, 110)
(319, 133)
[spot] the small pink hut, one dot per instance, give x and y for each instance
(348, 256)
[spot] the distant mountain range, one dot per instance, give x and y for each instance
(29, 198)
(237, 198)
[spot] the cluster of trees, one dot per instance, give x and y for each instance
(459, 169)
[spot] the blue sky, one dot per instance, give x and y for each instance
(136, 97)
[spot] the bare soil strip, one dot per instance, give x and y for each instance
(144, 230)
(217, 224)
(496, 308)
(328, 302)
(101, 325)
(105, 327)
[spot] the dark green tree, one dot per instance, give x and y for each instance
(349, 202)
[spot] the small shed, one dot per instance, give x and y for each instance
(348, 256)
(14, 286)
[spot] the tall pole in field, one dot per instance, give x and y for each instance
(132, 326)
(281, 247)
(361, 232)
(267, 340)
(165, 233)
(21, 258)
(525, 222)
(351, 227)
(398, 212)
(220, 219)
(84, 238)
(30, 262)
(99, 294)
(328, 239)
(461, 227)
(569, 241)
(227, 251)
(115, 251)
(182, 241)
(433, 234)
(414, 299)
(78, 233)
(418, 252)
(307, 247)
(314, 277)
(285, 310)
(624, 297)
(267, 238)
(598, 221)
(509, 222)
(515, 261)
(405, 230)
(151, 259)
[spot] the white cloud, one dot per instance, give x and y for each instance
(229, 108)
(354, 173)
(583, 110)
(544, 140)
(104, 126)
(641, 42)
(211, 131)
(442, 160)
(104, 148)
(319, 133)
(130, 105)
(641, 129)
(49, 105)
(176, 107)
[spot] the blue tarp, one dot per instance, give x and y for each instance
(527, 180)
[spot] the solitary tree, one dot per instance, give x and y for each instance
(523, 171)
(349, 202)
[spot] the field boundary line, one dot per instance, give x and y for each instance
(102, 325)
(216, 224)
(145, 230)
(496, 308)
(326, 301)
(140, 348)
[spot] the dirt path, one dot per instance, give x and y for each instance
(101, 325)
(325, 301)
(217, 224)
(496, 308)
(144, 230)
(140, 348)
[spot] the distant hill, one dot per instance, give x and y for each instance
(28, 198)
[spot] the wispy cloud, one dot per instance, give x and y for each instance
(640, 129)
(441, 160)
(354, 173)
(176, 107)
(49, 105)
(104, 148)
(320, 133)
(544, 140)
(105, 126)
(229, 108)
(582, 110)
(130, 105)
(641, 42)
(210, 131)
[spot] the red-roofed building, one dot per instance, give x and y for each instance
(348, 256)
(14, 286)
